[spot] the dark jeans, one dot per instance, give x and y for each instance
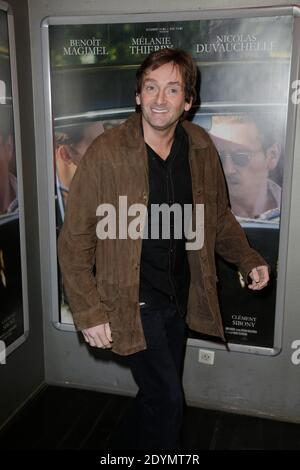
(155, 418)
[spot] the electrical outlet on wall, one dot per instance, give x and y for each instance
(206, 356)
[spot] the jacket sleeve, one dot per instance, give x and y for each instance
(231, 241)
(77, 245)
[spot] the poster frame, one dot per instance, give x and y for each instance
(287, 170)
(18, 151)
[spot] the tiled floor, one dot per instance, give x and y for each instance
(72, 419)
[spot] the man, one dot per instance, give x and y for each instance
(8, 181)
(250, 148)
(71, 145)
(136, 303)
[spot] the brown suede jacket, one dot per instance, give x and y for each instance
(116, 164)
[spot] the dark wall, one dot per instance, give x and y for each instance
(23, 372)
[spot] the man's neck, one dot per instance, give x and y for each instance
(159, 140)
(253, 204)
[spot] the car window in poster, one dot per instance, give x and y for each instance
(13, 308)
(244, 74)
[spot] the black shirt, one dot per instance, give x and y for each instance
(164, 271)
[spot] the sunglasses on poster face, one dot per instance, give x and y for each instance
(238, 158)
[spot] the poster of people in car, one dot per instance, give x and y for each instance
(244, 68)
(13, 311)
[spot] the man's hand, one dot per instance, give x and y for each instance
(98, 336)
(260, 277)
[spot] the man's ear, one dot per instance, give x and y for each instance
(63, 153)
(273, 154)
(188, 104)
(137, 99)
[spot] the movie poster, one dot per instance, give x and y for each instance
(12, 320)
(244, 74)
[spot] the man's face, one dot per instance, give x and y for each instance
(245, 164)
(76, 151)
(162, 97)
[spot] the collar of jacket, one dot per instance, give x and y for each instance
(134, 137)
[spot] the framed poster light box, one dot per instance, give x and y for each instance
(245, 59)
(14, 325)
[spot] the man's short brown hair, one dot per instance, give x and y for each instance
(178, 57)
